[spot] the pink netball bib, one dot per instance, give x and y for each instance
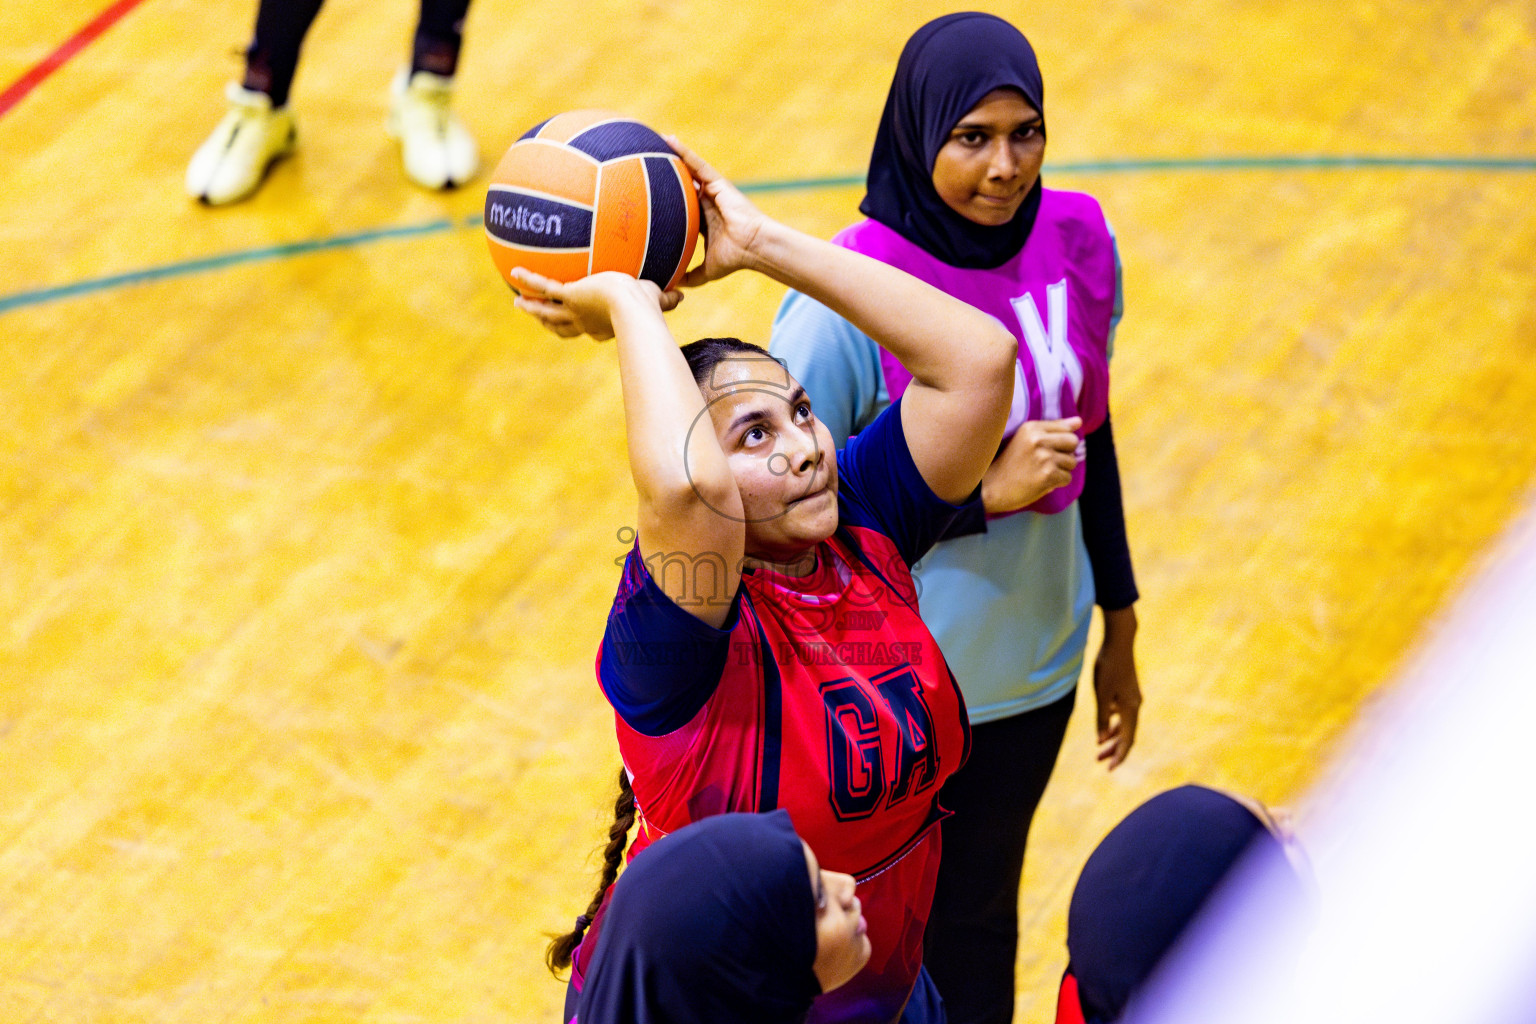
(1056, 296)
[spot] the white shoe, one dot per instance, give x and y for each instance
(437, 149)
(231, 164)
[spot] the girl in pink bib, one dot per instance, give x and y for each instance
(954, 198)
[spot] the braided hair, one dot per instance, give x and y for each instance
(558, 956)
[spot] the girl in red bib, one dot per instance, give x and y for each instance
(764, 649)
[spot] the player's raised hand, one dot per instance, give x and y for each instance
(731, 221)
(1040, 457)
(585, 306)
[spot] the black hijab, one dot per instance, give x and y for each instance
(1146, 881)
(946, 68)
(713, 924)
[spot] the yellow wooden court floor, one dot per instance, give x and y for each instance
(307, 537)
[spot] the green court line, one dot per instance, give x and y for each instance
(37, 297)
(1215, 163)
(1303, 163)
(88, 286)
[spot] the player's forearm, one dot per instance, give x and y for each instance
(1004, 488)
(668, 460)
(1120, 627)
(944, 343)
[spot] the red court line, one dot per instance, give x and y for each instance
(17, 90)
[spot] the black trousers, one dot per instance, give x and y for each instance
(972, 940)
(281, 26)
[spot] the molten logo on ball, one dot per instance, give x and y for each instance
(520, 218)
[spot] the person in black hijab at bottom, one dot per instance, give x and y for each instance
(1149, 879)
(729, 919)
